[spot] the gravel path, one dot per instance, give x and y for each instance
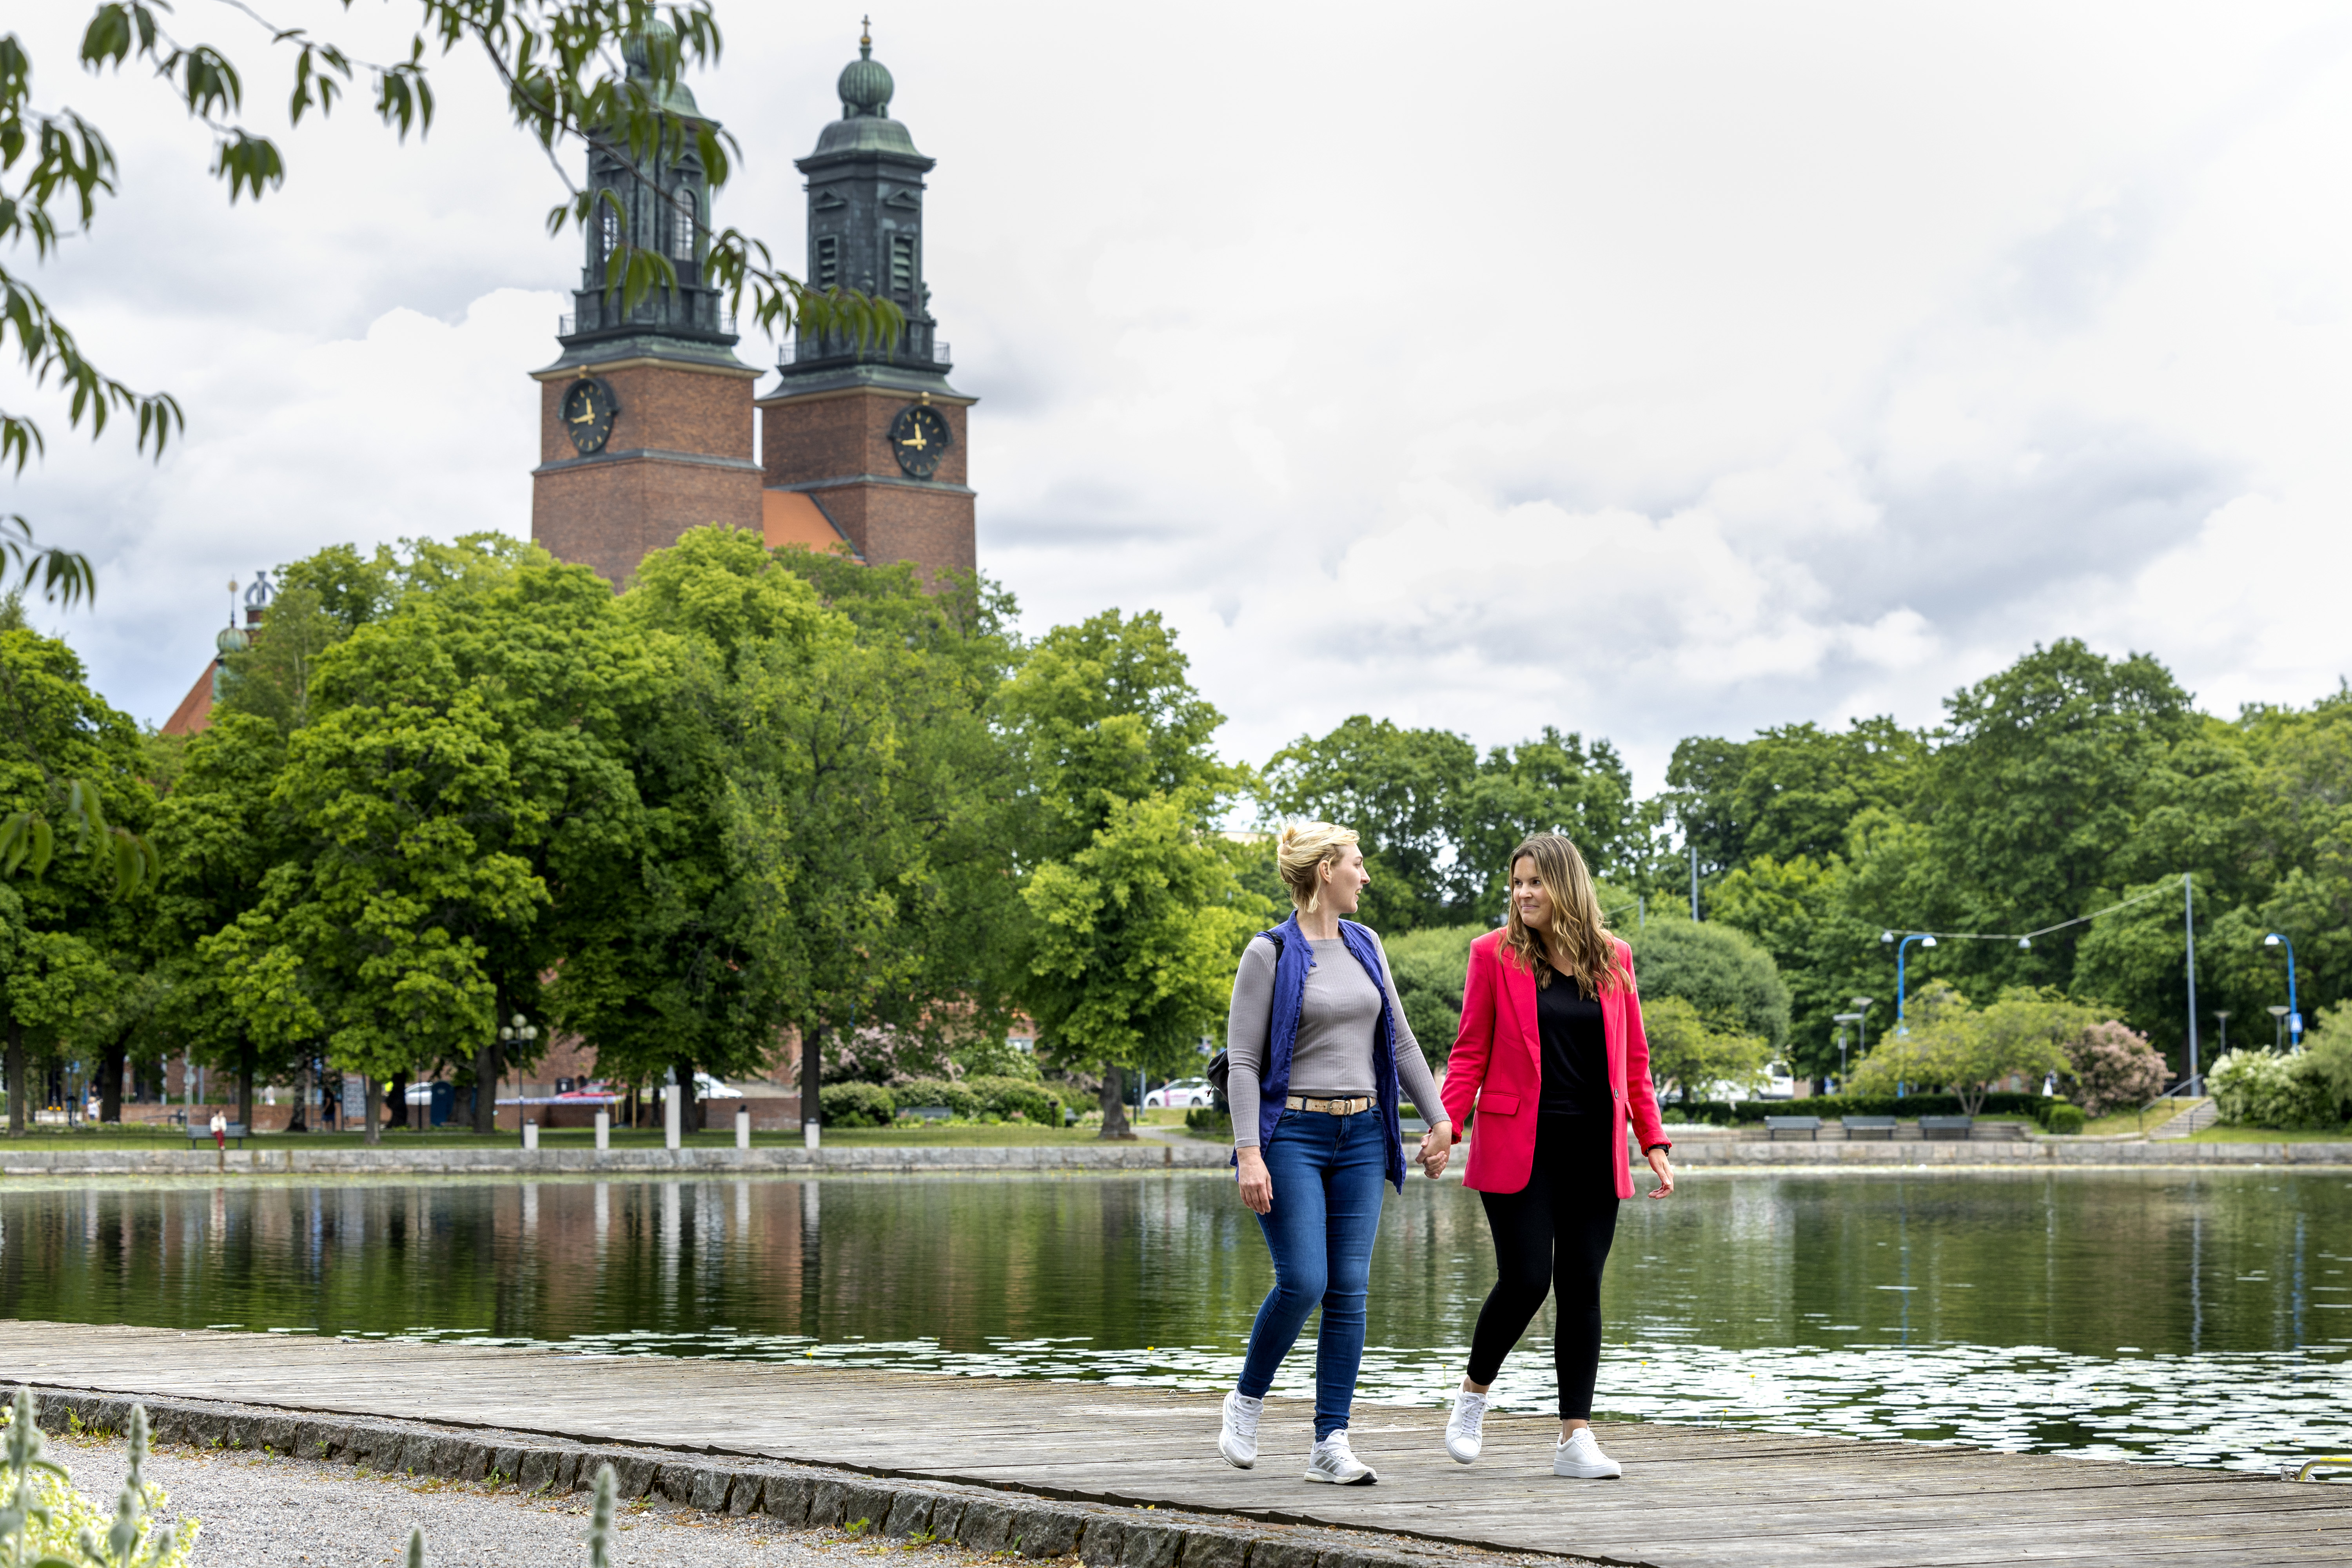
(260, 1511)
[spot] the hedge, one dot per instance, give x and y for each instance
(856, 1104)
(1010, 1096)
(2062, 1117)
(1834, 1107)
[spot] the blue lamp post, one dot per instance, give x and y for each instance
(2293, 1014)
(1924, 940)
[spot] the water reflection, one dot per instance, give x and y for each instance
(2190, 1317)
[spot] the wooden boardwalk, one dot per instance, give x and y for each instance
(1692, 1497)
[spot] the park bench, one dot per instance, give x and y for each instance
(1811, 1126)
(200, 1133)
(926, 1112)
(1945, 1126)
(1870, 1126)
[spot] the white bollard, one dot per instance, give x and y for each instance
(604, 1129)
(743, 1127)
(809, 1130)
(529, 1133)
(671, 1111)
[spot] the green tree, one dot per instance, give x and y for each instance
(59, 741)
(1722, 972)
(1429, 968)
(1950, 1045)
(932, 659)
(1690, 1053)
(1554, 783)
(1802, 913)
(1403, 792)
(2032, 792)
(703, 960)
(1136, 916)
(463, 748)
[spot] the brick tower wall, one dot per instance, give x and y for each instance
(836, 448)
(679, 457)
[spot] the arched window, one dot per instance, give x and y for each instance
(682, 217)
(608, 231)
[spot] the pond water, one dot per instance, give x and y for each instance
(2195, 1318)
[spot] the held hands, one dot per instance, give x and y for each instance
(1437, 1149)
(1665, 1170)
(1257, 1183)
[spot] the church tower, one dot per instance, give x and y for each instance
(645, 418)
(871, 438)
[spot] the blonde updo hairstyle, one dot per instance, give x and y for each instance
(1302, 851)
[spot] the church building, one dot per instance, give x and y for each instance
(646, 418)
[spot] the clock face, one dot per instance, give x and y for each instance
(589, 410)
(918, 438)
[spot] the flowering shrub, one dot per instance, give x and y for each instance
(2115, 1069)
(2259, 1089)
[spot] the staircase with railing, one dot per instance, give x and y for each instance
(2197, 1114)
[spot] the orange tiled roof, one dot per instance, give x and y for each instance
(793, 517)
(194, 713)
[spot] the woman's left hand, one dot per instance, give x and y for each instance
(1666, 1169)
(1436, 1148)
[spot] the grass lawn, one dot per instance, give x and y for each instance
(2266, 1135)
(912, 1134)
(2149, 1121)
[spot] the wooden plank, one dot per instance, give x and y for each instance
(1693, 1497)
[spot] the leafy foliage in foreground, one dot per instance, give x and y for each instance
(45, 1524)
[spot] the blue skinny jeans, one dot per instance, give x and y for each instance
(1326, 1172)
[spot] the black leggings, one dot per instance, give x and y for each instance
(1553, 1235)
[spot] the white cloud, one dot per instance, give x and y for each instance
(1647, 372)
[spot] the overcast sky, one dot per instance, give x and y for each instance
(1646, 370)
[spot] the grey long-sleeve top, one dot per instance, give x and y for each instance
(1339, 1019)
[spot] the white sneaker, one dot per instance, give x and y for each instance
(1332, 1460)
(1465, 1429)
(1580, 1457)
(1238, 1441)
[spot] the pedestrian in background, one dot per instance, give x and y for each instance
(1319, 1056)
(220, 1132)
(1551, 1057)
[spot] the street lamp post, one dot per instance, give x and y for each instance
(1924, 940)
(1842, 1020)
(1861, 1023)
(509, 1033)
(2293, 1014)
(2279, 1014)
(2224, 1019)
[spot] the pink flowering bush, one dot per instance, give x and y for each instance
(2115, 1069)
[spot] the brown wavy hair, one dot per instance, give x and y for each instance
(1577, 927)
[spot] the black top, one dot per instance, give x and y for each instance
(1575, 1052)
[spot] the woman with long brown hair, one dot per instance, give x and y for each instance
(1552, 1058)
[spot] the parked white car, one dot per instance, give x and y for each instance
(1184, 1094)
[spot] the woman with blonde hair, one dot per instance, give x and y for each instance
(1552, 1058)
(1317, 1056)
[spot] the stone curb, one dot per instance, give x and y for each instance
(984, 1519)
(298, 1161)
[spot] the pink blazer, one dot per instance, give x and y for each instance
(1496, 1068)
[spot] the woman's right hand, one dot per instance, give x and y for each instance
(1258, 1182)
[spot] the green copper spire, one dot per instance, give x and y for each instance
(636, 51)
(865, 85)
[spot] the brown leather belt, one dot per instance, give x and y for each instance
(1330, 1107)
